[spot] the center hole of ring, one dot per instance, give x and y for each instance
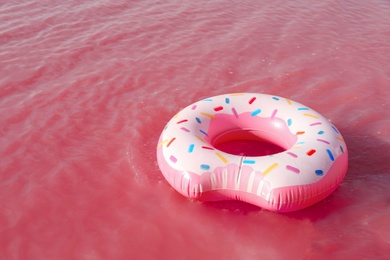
(247, 143)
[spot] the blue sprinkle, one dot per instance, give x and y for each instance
(256, 112)
(249, 161)
(319, 172)
(303, 108)
(341, 149)
(335, 129)
(300, 142)
(320, 132)
(276, 98)
(165, 128)
(198, 120)
(205, 167)
(330, 154)
(227, 100)
(289, 122)
(208, 99)
(203, 132)
(191, 148)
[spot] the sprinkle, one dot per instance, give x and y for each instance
(303, 108)
(237, 94)
(289, 122)
(288, 101)
(320, 132)
(252, 100)
(184, 129)
(319, 172)
(311, 152)
(324, 141)
(220, 156)
(274, 114)
(293, 169)
(274, 165)
(341, 149)
(234, 112)
(330, 154)
(310, 115)
(227, 100)
(300, 142)
(163, 142)
(191, 148)
(208, 115)
(165, 128)
(193, 107)
(300, 133)
(208, 148)
(218, 108)
(182, 121)
(275, 98)
(203, 132)
(173, 159)
(340, 139)
(205, 167)
(335, 129)
(292, 154)
(200, 138)
(173, 139)
(256, 112)
(198, 120)
(208, 99)
(249, 161)
(317, 123)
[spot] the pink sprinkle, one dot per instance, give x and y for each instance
(173, 159)
(324, 141)
(234, 112)
(274, 114)
(292, 154)
(317, 123)
(293, 169)
(184, 129)
(193, 107)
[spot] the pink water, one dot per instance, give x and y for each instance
(86, 87)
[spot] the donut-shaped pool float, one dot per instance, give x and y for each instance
(311, 164)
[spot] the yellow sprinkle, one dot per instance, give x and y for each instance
(237, 94)
(310, 115)
(288, 101)
(208, 115)
(274, 165)
(220, 156)
(200, 138)
(163, 142)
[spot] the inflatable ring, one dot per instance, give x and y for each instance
(311, 166)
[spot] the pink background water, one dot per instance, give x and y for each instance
(86, 87)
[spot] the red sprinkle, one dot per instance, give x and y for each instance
(182, 121)
(218, 108)
(252, 100)
(208, 148)
(311, 152)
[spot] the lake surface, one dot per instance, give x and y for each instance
(86, 87)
